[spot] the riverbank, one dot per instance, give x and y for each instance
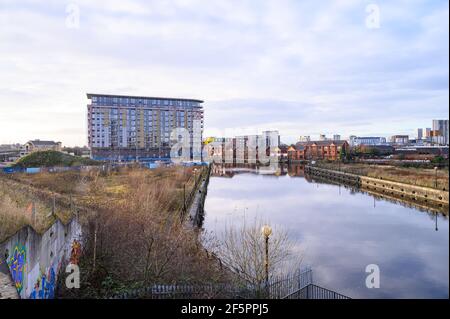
(438, 179)
(423, 196)
(134, 235)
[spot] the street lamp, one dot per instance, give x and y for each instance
(267, 231)
(195, 175)
(435, 176)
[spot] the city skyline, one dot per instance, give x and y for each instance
(301, 69)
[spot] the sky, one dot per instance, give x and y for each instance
(302, 67)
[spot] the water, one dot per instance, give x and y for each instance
(339, 231)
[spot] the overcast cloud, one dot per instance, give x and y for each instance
(302, 67)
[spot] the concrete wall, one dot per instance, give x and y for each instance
(412, 192)
(34, 260)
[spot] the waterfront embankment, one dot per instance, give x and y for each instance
(423, 196)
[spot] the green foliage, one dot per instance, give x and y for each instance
(51, 159)
(438, 160)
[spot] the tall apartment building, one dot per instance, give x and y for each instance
(442, 127)
(124, 127)
(419, 133)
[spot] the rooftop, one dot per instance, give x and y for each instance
(39, 142)
(90, 95)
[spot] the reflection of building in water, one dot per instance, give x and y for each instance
(404, 201)
(229, 170)
(244, 149)
(296, 170)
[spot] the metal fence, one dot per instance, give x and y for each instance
(293, 286)
(281, 286)
(185, 291)
(312, 291)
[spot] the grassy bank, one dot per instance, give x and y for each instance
(414, 176)
(52, 159)
(17, 204)
(134, 235)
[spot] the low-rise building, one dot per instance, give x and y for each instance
(38, 145)
(400, 139)
(318, 150)
(9, 152)
(367, 140)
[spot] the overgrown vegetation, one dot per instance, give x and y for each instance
(408, 175)
(135, 237)
(52, 159)
(242, 250)
(17, 204)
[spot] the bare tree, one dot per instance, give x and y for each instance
(242, 249)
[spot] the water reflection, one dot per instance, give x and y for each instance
(340, 230)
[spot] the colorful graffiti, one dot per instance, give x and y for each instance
(75, 253)
(44, 288)
(17, 266)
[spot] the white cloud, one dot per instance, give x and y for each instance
(285, 64)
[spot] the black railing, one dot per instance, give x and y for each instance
(281, 286)
(315, 292)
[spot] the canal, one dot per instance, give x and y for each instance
(338, 231)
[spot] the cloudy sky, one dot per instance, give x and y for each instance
(302, 67)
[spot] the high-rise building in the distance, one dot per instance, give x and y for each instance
(442, 127)
(124, 127)
(419, 133)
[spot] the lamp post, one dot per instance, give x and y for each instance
(195, 176)
(435, 176)
(266, 231)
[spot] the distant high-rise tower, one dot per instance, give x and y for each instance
(336, 137)
(419, 133)
(442, 127)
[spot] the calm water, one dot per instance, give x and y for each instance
(339, 232)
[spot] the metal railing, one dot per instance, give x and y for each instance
(297, 285)
(312, 291)
(281, 286)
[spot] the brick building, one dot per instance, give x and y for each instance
(318, 150)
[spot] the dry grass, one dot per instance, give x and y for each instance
(415, 176)
(16, 211)
(87, 189)
(135, 236)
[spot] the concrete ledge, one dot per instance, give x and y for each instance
(413, 192)
(407, 192)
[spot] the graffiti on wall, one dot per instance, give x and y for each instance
(75, 252)
(44, 288)
(17, 266)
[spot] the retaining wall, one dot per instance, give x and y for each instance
(414, 193)
(34, 260)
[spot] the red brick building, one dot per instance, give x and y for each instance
(318, 150)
